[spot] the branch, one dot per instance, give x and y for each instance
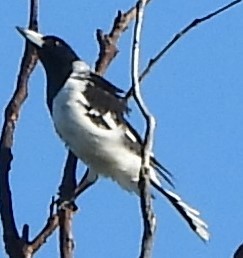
(178, 36)
(50, 226)
(107, 42)
(12, 240)
(65, 213)
(66, 241)
(144, 183)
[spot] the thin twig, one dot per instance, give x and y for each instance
(50, 226)
(144, 183)
(178, 36)
(13, 242)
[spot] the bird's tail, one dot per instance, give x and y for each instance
(188, 213)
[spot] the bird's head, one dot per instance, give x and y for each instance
(54, 53)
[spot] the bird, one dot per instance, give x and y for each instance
(90, 115)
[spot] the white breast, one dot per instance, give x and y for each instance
(102, 150)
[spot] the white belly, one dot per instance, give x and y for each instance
(100, 149)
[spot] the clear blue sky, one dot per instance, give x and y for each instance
(196, 94)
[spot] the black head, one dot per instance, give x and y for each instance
(57, 58)
(54, 53)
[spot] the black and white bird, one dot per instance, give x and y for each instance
(89, 115)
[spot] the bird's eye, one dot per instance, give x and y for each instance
(49, 42)
(57, 43)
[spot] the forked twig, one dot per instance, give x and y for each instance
(178, 36)
(108, 42)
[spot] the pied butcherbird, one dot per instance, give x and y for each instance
(89, 115)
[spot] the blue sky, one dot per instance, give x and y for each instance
(195, 93)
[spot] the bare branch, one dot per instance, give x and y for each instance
(12, 240)
(108, 51)
(65, 233)
(25, 233)
(68, 184)
(178, 36)
(67, 189)
(107, 42)
(144, 183)
(50, 226)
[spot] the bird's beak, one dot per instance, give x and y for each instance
(33, 36)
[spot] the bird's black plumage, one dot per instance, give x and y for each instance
(57, 59)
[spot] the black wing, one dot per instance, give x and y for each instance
(108, 107)
(104, 84)
(105, 97)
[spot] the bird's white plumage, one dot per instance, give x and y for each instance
(102, 150)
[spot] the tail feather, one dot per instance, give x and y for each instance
(189, 214)
(162, 171)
